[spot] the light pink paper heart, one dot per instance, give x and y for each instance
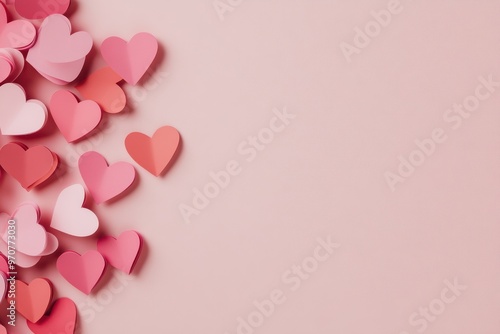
(3, 285)
(70, 217)
(105, 182)
(30, 236)
(130, 60)
(121, 253)
(19, 34)
(57, 43)
(22, 260)
(74, 120)
(82, 271)
(5, 69)
(18, 116)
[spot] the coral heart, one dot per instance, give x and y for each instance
(105, 182)
(18, 116)
(81, 271)
(18, 34)
(154, 154)
(69, 216)
(62, 319)
(32, 300)
(29, 167)
(130, 60)
(74, 120)
(121, 253)
(101, 86)
(36, 9)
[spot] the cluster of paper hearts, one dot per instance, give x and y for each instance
(59, 54)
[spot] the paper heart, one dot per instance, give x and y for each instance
(105, 182)
(22, 260)
(121, 253)
(16, 61)
(69, 216)
(32, 300)
(130, 60)
(30, 236)
(5, 69)
(18, 34)
(62, 319)
(3, 285)
(101, 86)
(81, 271)
(4, 264)
(29, 166)
(74, 120)
(57, 43)
(18, 116)
(36, 9)
(154, 154)
(3, 330)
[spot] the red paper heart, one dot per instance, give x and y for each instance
(29, 167)
(61, 320)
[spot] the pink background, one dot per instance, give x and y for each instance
(323, 175)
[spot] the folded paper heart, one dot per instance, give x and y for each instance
(131, 59)
(105, 182)
(32, 300)
(70, 217)
(17, 116)
(74, 120)
(57, 54)
(37, 10)
(156, 153)
(101, 87)
(3, 285)
(121, 253)
(62, 319)
(18, 34)
(11, 64)
(81, 271)
(29, 166)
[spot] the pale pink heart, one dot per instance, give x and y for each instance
(30, 236)
(22, 260)
(5, 69)
(3, 285)
(18, 116)
(52, 245)
(60, 74)
(16, 59)
(105, 182)
(74, 120)
(130, 60)
(121, 253)
(82, 271)
(70, 217)
(57, 43)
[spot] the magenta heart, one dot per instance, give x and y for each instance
(82, 271)
(105, 182)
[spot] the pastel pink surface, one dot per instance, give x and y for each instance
(36, 9)
(105, 182)
(74, 119)
(18, 116)
(82, 271)
(130, 59)
(61, 320)
(153, 153)
(121, 253)
(70, 217)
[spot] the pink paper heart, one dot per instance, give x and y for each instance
(57, 43)
(81, 271)
(69, 216)
(123, 252)
(5, 69)
(18, 116)
(105, 182)
(74, 120)
(3, 285)
(30, 236)
(130, 60)
(37, 9)
(18, 34)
